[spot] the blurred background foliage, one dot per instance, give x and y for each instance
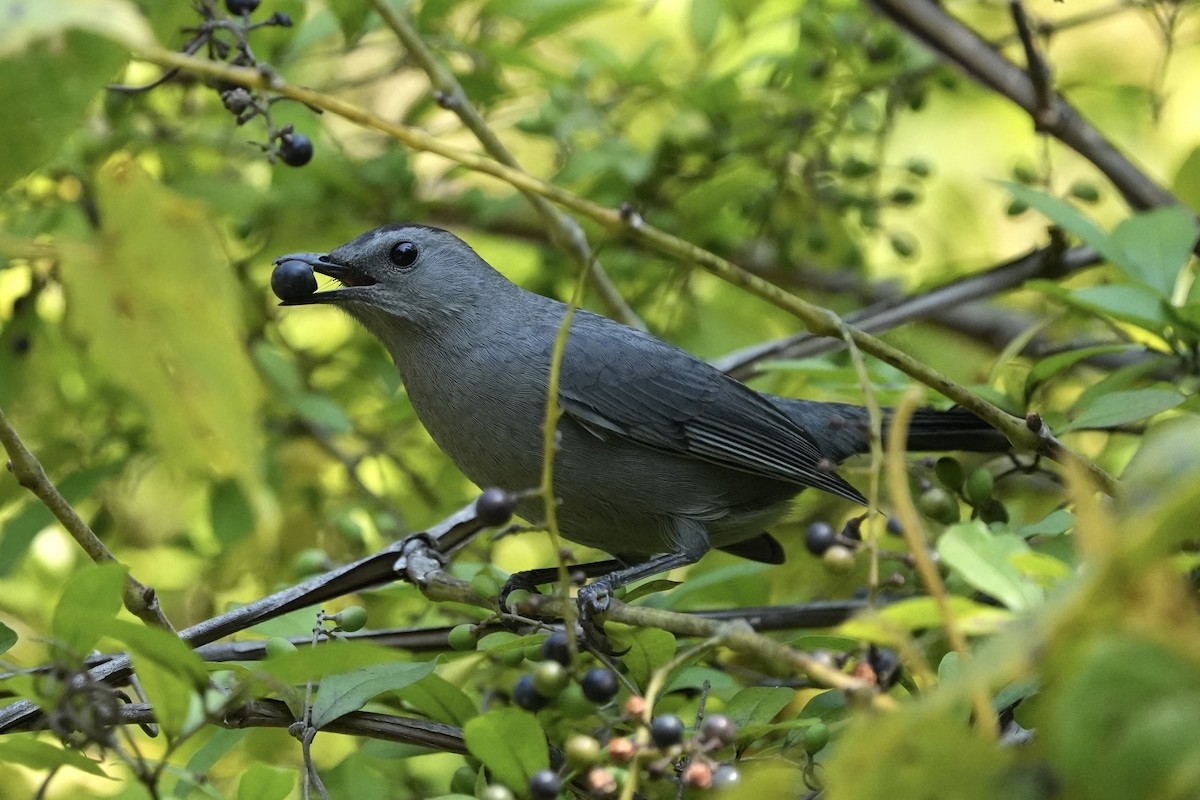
(222, 446)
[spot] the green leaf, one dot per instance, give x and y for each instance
(891, 624)
(350, 691)
(26, 22)
(704, 18)
(27, 751)
(262, 782)
(89, 602)
(352, 19)
(758, 705)
(1050, 366)
(170, 672)
(322, 411)
(48, 89)
(1055, 523)
(180, 354)
(1120, 408)
(330, 658)
(440, 700)
(510, 743)
(220, 742)
(1067, 217)
(983, 560)
(1155, 246)
(230, 512)
(648, 650)
(1129, 303)
(8, 637)
(1127, 722)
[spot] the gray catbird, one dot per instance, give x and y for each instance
(660, 457)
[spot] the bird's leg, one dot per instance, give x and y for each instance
(595, 597)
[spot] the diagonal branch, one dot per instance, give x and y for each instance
(961, 46)
(140, 599)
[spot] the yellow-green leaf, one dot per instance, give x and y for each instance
(155, 299)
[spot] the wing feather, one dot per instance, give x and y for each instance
(623, 383)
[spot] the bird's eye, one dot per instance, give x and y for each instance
(404, 254)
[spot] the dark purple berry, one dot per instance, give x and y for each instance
(293, 280)
(544, 785)
(295, 149)
(281, 19)
(526, 696)
(241, 7)
(819, 537)
(718, 728)
(494, 507)
(554, 648)
(599, 685)
(886, 665)
(666, 730)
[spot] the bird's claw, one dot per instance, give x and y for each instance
(593, 600)
(518, 580)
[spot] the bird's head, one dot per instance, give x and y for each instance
(396, 274)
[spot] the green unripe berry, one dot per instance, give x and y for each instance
(463, 781)
(582, 751)
(352, 619)
(816, 736)
(950, 472)
(463, 637)
(1085, 191)
(496, 791)
(838, 559)
(277, 646)
(515, 599)
(979, 486)
(939, 505)
(550, 678)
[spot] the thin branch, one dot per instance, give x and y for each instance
(140, 599)
(962, 47)
(947, 299)
(1036, 66)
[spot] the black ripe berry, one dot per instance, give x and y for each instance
(554, 648)
(819, 537)
(293, 280)
(241, 7)
(494, 507)
(295, 149)
(666, 730)
(544, 785)
(599, 685)
(719, 729)
(526, 695)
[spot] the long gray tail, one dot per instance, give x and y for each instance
(840, 429)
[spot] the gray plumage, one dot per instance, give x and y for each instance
(659, 452)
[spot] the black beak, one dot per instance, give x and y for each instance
(344, 274)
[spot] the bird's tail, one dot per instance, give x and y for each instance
(840, 429)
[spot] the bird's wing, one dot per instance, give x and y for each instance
(618, 382)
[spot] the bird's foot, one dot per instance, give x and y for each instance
(593, 599)
(518, 580)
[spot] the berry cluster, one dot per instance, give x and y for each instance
(630, 739)
(226, 38)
